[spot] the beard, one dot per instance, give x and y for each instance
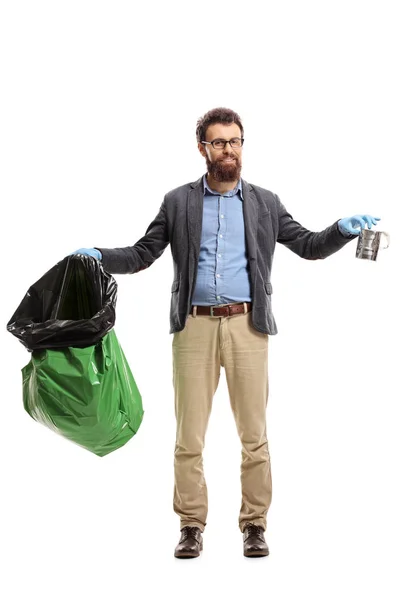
(221, 171)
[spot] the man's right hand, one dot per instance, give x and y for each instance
(89, 252)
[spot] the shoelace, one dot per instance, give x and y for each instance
(188, 531)
(256, 530)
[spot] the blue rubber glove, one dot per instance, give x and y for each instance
(89, 252)
(350, 225)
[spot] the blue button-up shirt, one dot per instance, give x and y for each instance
(223, 271)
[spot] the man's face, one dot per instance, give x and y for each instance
(223, 164)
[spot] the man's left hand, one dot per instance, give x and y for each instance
(351, 224)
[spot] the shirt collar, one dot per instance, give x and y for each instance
(208, 190)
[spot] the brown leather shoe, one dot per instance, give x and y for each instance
(253, 541)
(191, 543)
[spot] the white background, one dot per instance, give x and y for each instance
(99, 104)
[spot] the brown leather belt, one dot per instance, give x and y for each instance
(222, 311)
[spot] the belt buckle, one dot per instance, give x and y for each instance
(212, 310)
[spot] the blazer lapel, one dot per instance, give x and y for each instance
(250, 214)
(195, 223)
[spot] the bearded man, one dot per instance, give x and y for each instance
(223, 232)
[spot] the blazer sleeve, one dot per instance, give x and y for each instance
(143, 253)
(305, 243)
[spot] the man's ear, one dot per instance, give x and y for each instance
(202, 150)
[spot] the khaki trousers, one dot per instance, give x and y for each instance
(199, 350)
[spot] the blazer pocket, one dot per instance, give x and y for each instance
(175, 286)
(268, 287)
(264, 213)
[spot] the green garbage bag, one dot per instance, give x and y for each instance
(78, 382)
(88, 395)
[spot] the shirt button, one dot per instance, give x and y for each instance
(218, 297)
(218, 275)
(221, 236)
(220, 255)
(222, 216)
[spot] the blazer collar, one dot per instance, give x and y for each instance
(246, 187)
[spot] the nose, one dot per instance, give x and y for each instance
(228, 148)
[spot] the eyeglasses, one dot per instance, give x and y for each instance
(220, 144)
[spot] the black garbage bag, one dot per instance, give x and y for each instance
(73, 304)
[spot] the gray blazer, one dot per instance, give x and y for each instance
(179, 223)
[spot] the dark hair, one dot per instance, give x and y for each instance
(216, 115)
